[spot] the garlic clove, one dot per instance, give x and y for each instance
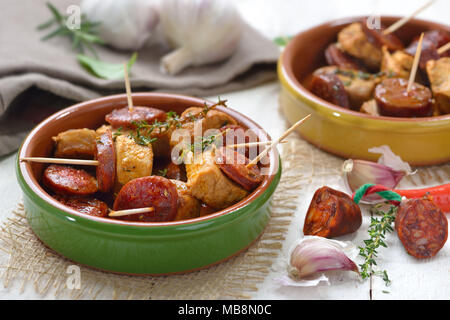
(388, 172)
(360, 172)
(314, 255)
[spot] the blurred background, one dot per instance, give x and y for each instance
(274, 18)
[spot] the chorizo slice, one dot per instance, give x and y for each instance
(233, 164)
(125, 118)
(378, 38)
(336, 57)
(69, 181)
(421, 227)
(331, 213)
(175, 172)
(106, 156)
(236, 134)
(153, 191)
(394, 100)
(330, 88)
(90, 206)
(432, 41)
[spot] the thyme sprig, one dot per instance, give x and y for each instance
(378, 229)
(142, 133)
(83, 37)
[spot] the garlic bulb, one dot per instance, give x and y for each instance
(314, 255)
(201, 31)
(125, 24)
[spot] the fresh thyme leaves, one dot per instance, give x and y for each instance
(82, 38)
(377, 232)
(357, 74)
(173, 119)
(162, 173)
(142, 134)
(204, 142)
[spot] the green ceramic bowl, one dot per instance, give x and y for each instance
(133, 247)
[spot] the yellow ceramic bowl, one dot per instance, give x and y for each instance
(349, 134)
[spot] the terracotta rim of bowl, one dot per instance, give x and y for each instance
(26, 172)
(289, 76)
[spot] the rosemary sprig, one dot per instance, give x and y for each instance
(83, 37)
(377, 232)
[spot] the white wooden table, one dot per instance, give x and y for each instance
(412, 279)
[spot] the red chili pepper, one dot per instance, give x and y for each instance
(439, 194)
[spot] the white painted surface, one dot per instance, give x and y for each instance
(412, 279)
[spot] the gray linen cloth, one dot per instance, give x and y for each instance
(39, 77)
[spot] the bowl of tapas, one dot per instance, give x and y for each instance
(367, 86)
(122, 183)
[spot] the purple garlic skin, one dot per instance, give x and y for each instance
(315, 255)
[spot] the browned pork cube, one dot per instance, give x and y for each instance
(209, 184)
(133, 160)
(398, 64)
(354, 41)
(75, 143)
(188, 206)
(439, 75)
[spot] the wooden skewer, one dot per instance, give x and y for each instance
(274, 143)
(128, 88)
(412, 76)
(61, 161)
(443, 49)
(405, 20)
(121, 213)
(253, 144)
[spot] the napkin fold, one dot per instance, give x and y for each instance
(39, 77)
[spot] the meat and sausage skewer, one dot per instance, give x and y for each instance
(153, 191)
(396, 97)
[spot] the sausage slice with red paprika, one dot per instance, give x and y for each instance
(394, 100)
(234, 165)
(153, 191)
(421, 227)
(69, 181)
(380, 39)
(106, 156)
(90, 206)
(330, 88)
(125, 118)
(332, 214)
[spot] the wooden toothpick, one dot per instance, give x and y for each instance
(274, 143)
(61, 161)
(405, 20)
(412, 76)
(252, 144)
(121, 213)
(128, 88)
(443, 49)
